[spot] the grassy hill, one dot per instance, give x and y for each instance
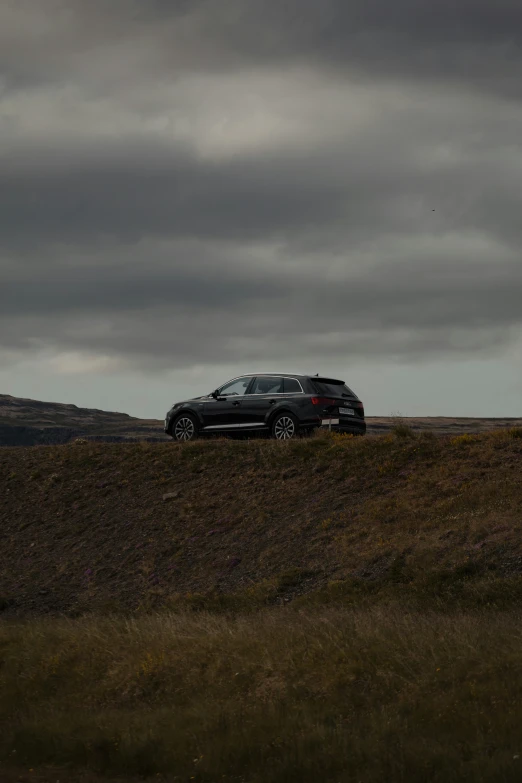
(143, 525)
(334, 609)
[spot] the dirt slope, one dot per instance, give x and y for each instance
(87, 526)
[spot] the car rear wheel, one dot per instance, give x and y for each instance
(184, 428)
(284, 427)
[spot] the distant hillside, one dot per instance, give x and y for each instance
(32, 423)
(441, 425)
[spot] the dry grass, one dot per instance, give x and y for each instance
(395, 653)
(287, 696)
(85, 528)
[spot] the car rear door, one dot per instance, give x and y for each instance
(265, 392)
(226, 411)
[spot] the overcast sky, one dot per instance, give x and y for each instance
(193, 189)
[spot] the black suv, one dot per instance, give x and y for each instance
(277, 404)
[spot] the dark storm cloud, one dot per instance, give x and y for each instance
(99, 289)
(474, 41)
(479, 41)
(398, 312)
(131, 190)
(141, 240)
(142, 190)
(432, 299)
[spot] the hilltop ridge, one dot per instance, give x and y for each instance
(26, 422)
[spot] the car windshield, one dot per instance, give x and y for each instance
(331, 388)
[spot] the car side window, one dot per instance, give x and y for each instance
(291, 386)
(236, 387)
(266, 385)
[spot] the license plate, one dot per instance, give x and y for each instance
(347, 411)
(326, 422)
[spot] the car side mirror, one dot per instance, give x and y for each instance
(214, 394)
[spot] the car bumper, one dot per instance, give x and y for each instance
(345, 427)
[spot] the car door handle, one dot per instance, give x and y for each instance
(236, 403)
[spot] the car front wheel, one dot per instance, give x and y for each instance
(184, 428)
(284, 426)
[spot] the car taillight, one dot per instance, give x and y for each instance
(322, 401)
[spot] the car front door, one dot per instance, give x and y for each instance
(265, 392)
(225, 410)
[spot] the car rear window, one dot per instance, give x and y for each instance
(292, 386)
(267, 385)
(331, 388)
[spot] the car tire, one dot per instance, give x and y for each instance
(284, 426)
(184, 428)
